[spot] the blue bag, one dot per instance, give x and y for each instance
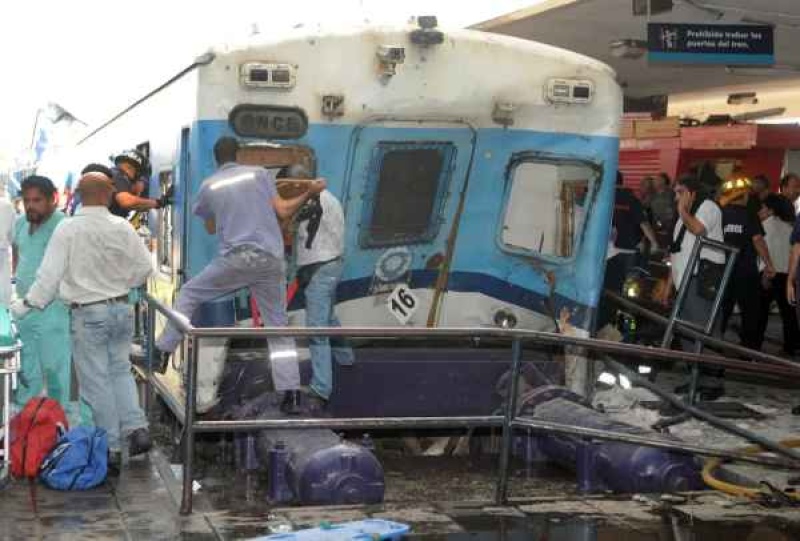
(79, 461)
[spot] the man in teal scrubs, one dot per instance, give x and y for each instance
(45, 334)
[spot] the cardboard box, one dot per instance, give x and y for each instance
(657, 129)
(627, 129)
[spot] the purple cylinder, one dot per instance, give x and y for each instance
(322, 470)
(620, 467)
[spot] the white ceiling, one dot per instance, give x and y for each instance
(588, 26)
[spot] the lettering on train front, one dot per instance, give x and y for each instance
(268, 121)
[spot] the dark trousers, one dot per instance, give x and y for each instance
(777, 292)
(617, 269)
(697, 310)
(744, 291)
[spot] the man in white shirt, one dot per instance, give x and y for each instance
(91, 263)
(697, 217)
(777, 218)
(319, 245)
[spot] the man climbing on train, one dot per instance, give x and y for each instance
(241, 205)
(318, 248)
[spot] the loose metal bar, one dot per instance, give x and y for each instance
(712, 317)
(508, 429)
(659, 443)
(689, 332)
(713, 420)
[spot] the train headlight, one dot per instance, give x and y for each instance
(505, 319)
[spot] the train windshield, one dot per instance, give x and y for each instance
(407, 185)
(546, 206)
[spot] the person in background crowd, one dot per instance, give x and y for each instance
(92, 262)
(790, 189)
(698, 215)
(7, 217)
(777, 220)
(45, 334)
(241, 205)
(662, 209)
(319, 246)
(647, 189)
(630, 224)
(742, 229)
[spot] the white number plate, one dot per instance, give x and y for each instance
(402, 303)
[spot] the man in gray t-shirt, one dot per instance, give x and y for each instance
(240, 204)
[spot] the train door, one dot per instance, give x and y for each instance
(402, 206)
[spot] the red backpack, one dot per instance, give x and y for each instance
(34, 432)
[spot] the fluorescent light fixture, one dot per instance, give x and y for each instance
(628, 48)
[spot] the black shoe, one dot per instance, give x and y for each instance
(160, 360)
(291, 404)
(139, 442)
(114, 463)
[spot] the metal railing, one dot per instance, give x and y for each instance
(187, 415)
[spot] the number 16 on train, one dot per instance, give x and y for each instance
(402, 303)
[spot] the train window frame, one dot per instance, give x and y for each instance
(382, 149)
(166, 234)
(547, 159)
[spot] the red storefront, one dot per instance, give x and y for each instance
(754, 148)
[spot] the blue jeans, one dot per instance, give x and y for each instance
(101, 345)
(320, 293)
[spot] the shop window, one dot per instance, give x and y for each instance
(546, 205)
(405, 193)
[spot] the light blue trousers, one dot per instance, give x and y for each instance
(101, 344)
(320, 296)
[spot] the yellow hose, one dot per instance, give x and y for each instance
(739, 490)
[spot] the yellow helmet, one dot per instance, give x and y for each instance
(732, 189)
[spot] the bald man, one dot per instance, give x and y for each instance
(91, 263)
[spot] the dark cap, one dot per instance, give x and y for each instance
(97, 168)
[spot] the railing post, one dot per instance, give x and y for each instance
(188, 427)
(501, 495)
(150, 345)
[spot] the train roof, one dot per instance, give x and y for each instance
(467, 76)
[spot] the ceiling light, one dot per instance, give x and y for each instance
(628, 48)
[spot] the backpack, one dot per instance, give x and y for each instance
(34, 432)
(79, 460)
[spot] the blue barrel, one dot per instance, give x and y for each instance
(604, 465)
(320, 469)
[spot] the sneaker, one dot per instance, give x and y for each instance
(140, 442)
(291, 404)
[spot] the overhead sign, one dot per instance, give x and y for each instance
(268, 121)
(726, 44)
